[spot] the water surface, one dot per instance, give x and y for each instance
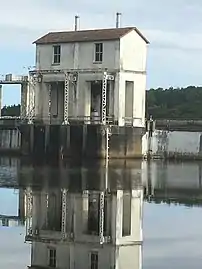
(172, 217)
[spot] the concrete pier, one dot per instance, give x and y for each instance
(89, 141)
(173, 139)
(10, 140)
(81, 141)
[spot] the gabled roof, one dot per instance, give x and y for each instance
(87, 35)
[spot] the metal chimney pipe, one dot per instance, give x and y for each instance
(118, 19)
(76, 22)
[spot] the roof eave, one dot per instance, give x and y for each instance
(142, 36)
(139, 33)
(37, 42)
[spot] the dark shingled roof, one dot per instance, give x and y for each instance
(86, 35)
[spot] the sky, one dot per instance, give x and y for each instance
(8, 202)
(173, 28)
(14, 253)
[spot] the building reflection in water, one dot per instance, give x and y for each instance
(172, 183)
(89, 217)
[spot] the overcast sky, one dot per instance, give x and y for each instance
(173, 28)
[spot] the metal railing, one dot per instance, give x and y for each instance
(133, 121)
(110, 120)
(13, 78)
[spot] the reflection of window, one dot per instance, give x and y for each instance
(5, 222)
(56, 54)
(93, 214)
(94, 260)
(54, 212)
(98, 52)
(126, 221)
(52, 257)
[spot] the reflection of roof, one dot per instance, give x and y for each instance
(87, 35)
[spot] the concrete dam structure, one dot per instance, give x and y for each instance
(91, 105)
(173, 139)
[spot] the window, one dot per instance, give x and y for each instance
(98, 52)
(56, 54)
(52, 257)
(94, 260)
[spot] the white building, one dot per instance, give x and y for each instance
(69, 81)
(10, 221)
(91, 229)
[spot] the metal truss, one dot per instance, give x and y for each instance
(31, 105)
(64, 214)
(49, 102)
(101, 217)
(66, 98)
(29, 205)
(23, 111)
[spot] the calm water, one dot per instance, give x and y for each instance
(172, 218)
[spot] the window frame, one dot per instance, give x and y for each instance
(94, 262)
(52, 259)
(56, 55)
(127, 204)
(98, 52)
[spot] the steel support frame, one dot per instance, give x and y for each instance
(64, 214)
(106, 133)
(29, 198)
(101, 217)
(31, 104)
(23, 110)
(66, 98)
(104, 98)
(49, 102)
(47, 205)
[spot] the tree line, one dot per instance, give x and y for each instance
(171, 103)
(10, 110)
(174, 103)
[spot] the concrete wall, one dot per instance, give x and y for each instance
(10, 140)
(125, 57)
(139, 90)
(133, 52)
(80, 98)
(175, 144)
(128, 53)
(81, 141)
(78, 56)
(108, 256)
(1, 88)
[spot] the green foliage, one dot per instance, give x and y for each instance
(11, 110)
(180, 103)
